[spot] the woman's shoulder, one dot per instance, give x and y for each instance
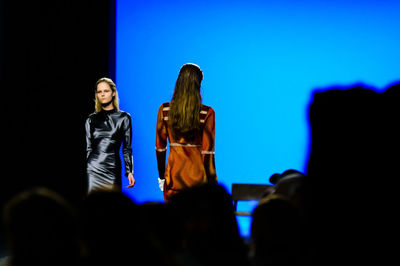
(206, 109)
(206, 112)
(91, 116)
(123, 114)
(165, 105)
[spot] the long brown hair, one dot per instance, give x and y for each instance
(110, 83)
(185, 105)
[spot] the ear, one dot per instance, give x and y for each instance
(113, 94)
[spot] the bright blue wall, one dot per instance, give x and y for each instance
(261, 61)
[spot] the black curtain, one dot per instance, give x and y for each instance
(52, 53)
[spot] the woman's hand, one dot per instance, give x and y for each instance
(132, 180)
(161, 184)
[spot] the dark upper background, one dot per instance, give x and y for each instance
(52, 53)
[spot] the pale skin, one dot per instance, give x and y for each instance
(105, 95)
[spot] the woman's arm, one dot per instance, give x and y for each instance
(127, 150)
(126, 144)
(161, 142)
(88, 138)
(207, 148)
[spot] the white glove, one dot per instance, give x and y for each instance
(161, 184)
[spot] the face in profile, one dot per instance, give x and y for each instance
(104, 93)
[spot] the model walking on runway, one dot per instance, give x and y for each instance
(106, 129)
(189, 126)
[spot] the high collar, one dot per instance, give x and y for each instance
(108, 111)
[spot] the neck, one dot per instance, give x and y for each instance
(108, 107)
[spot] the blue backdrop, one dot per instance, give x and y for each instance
(261, 61)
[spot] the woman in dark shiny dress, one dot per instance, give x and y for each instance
(106, 129)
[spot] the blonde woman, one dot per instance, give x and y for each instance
(106, 129)
(189, 126)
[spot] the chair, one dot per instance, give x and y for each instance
(246, 192)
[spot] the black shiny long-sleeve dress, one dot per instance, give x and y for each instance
(105, 132)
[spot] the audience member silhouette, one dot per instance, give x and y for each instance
(41, 229)
(113, 232)
(274, 179)
(157, 221)
(291, 184)
(208, 230)
(276, 233)
(350, 172)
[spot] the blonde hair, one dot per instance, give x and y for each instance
(115, 101)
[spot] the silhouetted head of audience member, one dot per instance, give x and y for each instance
(207, 225)
(109, 228)
(345, 134)
(41, 229)
(275, 178)
(346, 155)
(291, 184)
(349, 169)
(276, 233)
(155, 217)
(114, 233)
(390, 117)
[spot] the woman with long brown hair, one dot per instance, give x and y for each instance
(106, 129)
(189, 126)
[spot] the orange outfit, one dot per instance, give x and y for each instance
(189, 163)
